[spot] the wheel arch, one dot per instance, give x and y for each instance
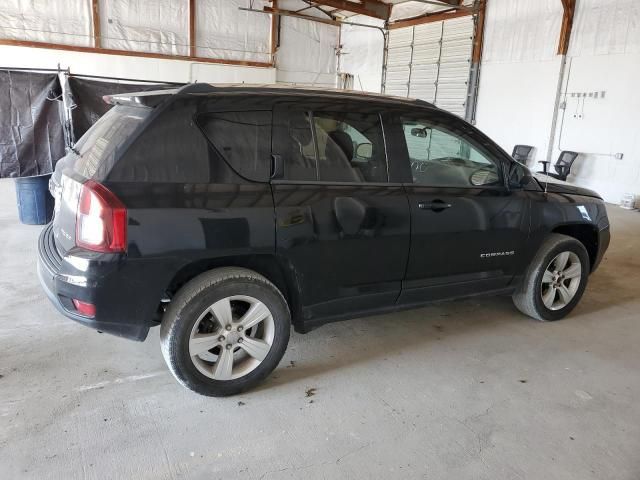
(586, 234)
(269, 266)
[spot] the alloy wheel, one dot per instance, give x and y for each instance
(561, 280)
(231, 337)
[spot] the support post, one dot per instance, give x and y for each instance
(97, 43)
(476, 60)
(274, 33)
(192, 28)
(569, 7)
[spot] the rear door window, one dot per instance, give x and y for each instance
(350, 147)
(242, 139)
(331, 146)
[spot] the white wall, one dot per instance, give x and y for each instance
(604, 55)
(520, 75)
(132, 67)
(516, 103)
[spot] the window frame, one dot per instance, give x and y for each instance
(454, 126)
(283, 112)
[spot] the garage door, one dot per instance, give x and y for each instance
(431, 62)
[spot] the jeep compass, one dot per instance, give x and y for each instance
(225, 215)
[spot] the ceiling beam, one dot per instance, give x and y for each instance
(457, 4)
(291, 13)
(430, 17)
(569, 7)
(370, 8)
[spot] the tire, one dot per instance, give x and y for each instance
(211, 307)
(529, 297)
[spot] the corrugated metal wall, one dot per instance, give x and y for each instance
(431, 62)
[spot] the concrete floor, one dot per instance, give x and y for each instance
(466, 390)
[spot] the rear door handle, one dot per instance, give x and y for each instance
(277, 167)
(436, 205)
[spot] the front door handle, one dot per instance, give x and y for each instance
(436, 205)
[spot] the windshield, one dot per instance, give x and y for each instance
(97, 150)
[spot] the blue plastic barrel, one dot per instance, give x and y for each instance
(35, 203)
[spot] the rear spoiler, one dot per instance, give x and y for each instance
(142, 99)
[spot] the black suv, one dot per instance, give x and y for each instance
(225, 214)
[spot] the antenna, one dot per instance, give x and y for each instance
(546, 183)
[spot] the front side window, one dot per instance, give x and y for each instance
(334, 147)
(441, 157)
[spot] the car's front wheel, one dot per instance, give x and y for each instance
(225, 331)
(555, 280)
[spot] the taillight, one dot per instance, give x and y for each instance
(101, 221)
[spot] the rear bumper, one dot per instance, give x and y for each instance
(86, 285)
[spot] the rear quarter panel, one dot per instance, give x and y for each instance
(173, 225)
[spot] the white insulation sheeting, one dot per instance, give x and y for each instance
(66, 22)
(224, 31)
(523, 30)
(362, 53)
(606, 26)
(158, 26)
(307, 53)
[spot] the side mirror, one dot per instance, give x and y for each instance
(484, 176)
(419, 132)
(517, 175)
(364, 151)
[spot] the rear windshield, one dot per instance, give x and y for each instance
(97, 150)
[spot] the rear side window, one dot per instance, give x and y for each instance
(242, 139)
(171, 149)
(334, 147)
(98, 149)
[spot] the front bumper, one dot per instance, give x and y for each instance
(604, 237)
(86, 286)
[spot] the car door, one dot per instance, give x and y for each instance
(341, 227)
(468, 229)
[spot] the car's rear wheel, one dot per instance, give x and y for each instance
(225, 331)
(555, 281)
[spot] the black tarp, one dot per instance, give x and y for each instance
(31, 133)
(89, 105)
